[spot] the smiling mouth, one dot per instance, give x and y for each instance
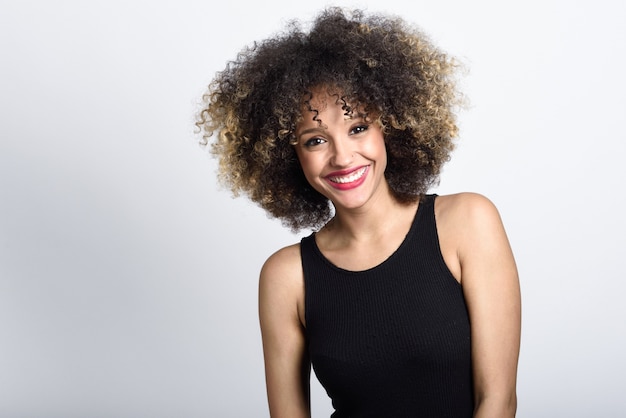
(350, 178)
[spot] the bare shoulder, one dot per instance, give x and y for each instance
(281, 282)
(283, 265)
(468, 216)
(464, 207)
(467, 223)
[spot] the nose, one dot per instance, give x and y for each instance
(343, 154)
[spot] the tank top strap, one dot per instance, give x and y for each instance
(423, 221)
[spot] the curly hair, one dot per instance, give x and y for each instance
(377, 63)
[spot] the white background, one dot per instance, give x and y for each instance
(128, 279)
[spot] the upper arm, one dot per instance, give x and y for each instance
(490, 283)
(287, 367)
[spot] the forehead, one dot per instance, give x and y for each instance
(324, 111)
(321, 99)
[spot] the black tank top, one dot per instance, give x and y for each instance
(392, 341)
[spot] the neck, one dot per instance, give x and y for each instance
(372, 221)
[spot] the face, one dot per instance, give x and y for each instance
(343, 157)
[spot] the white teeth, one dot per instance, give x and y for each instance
(350, 178)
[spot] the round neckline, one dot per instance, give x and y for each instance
(403, 244)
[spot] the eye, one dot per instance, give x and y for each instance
(315, 141)
(358, 129)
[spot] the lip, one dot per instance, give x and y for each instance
(343, 173)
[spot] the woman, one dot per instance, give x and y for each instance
(405, 303)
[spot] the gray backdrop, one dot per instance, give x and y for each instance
(128, 279)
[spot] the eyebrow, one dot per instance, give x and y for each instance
(311, 130)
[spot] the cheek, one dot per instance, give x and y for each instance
(312, 168)
(309, 165)
(378, 151)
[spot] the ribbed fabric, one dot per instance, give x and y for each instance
(392, 341)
